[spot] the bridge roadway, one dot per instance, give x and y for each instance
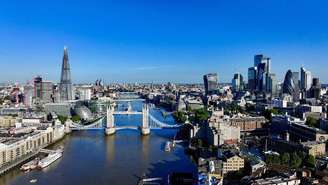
(118, 128)
(127, 112)
(128, 100)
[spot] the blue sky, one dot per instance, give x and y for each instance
(160, 40)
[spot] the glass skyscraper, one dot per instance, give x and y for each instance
(210, 83)
(65, 86)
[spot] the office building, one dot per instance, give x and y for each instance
(238, 82)
(38, 87)
(261, 59)
(47, 92)
(63, 108)
(315, 89)
(28, 95)
(252, 71)
(263, 69)
(306, 79)
(291, 85)
(210, 83)
(65, 86)
(84, 92)
(272, 85)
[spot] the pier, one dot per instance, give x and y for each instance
(20, 160)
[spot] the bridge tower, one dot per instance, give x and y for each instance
(145, 130)
(110, 126)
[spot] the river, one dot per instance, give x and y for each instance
(91, 158)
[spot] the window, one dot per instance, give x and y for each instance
(17, 152)
(3, 157)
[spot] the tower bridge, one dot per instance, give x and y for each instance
(149, 122)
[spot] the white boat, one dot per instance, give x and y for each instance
(33, 180)
(52, 157)
(168, 146)
(30, 165)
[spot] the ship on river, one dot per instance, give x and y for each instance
(52, 157)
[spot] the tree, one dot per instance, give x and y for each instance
(233, 108)
(76, 118)
(309, 162)
(311, 121)
(201, 115)
(180, 117)
(62, 119)
(295, 161)
(268, 113)
(285, 158)
(272, 159)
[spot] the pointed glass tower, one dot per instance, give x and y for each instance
(65, 86)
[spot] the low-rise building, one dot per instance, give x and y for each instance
(248, 123)
(12, 149)
(231, 162)
(277, 181)
(223, 133)
(220, 131)
(7, 121)
(310, 147)
(314, 148)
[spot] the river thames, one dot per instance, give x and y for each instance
(91, 158)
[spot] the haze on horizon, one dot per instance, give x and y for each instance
(160, 41)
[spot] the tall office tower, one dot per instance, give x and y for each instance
(263, 65)
(252, 71)
(306, 79)
(261, 77)
(47, 92)
(65, 86)
(38, 88)
(316, 88)
(238, 82)
(28, 95)
(291, 85)
(258, 59)
(272, 85)
(210, 83)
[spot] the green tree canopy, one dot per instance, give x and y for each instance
(201, 115)
(295, 160)
(180, 116)
(309, 162)
(312, 122)
(76, 118)
(62, 119)
(285, 158)
(268, 113)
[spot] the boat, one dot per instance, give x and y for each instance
(31, 165)
(33, 180)
(168, 146)
(52, 157)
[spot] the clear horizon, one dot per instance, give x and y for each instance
(162, 41)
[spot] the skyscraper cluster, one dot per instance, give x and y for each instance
(42, 91)
(260, 78)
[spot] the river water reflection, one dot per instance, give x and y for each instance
(91, 158)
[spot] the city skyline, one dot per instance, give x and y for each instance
(125, 42)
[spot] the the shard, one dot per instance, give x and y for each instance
(65, 86)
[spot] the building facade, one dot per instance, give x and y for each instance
(210, 83)
(65, 86)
